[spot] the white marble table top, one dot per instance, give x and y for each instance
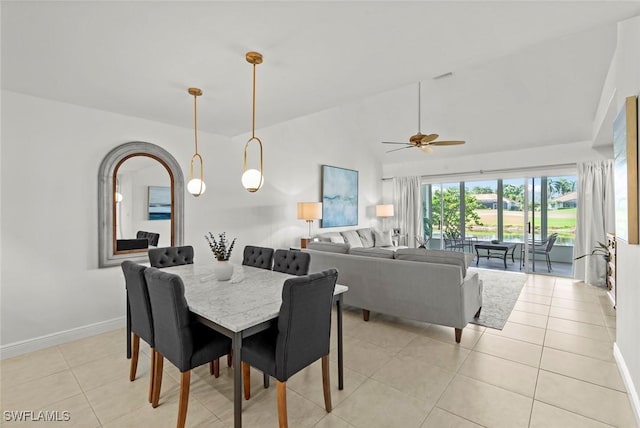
(251, 297)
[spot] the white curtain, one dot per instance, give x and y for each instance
(595, 217)
(406, 199)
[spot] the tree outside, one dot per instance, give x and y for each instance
(481, 217)
(451, 220)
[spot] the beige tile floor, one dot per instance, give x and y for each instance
(551, 366)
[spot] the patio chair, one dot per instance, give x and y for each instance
(542, 247)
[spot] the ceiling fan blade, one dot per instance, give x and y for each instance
(429, 138)
(445, 143)
(395, 150)
(391, 142)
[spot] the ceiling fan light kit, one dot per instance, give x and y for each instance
(423, 141)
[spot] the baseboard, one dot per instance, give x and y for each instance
(30, 345)
(628, 382)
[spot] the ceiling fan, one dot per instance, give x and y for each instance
(423, 141)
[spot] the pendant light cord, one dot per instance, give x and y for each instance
(253, 119)
(195, 121)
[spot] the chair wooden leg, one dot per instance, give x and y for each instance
(185, 382)
(157, 380)
(365, 314)
(230, 358)
(326, 383)
(246, 378)
(152, 373)
(458, 335)
(282, 404)
(214, 367)
(134, 357)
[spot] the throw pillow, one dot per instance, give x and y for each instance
(366, 236)
(382, 238)
(337, 239)
(352, 238)
(334, 237)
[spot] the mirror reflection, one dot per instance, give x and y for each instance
(142, 204)
(132, 202)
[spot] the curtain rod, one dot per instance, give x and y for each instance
(486, 171)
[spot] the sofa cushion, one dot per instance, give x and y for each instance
(331, 247)
(372, 252)
(436, 256)
(366, 236)
(382, 238)
(352, 238)
(331, 237)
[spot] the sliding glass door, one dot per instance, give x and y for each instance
(528, 211)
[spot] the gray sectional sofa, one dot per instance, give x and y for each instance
(424, 285)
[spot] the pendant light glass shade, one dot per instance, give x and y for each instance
(253, 179)
(196, 185)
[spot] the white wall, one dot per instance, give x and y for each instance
(49, 276)
(516, 160)
(627, 82)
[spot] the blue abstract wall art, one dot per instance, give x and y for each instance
(339, 196)
(159, 203)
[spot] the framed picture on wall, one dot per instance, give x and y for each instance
(159, 207)
(625, 152)
(339, 197)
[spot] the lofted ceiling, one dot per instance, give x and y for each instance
(524, 73)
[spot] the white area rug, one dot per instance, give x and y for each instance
(499, 295)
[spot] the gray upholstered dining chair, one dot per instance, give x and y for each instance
(171, 256)
(299, 338)
(152, 237)
(260, 257)
(179, 338)
(292, 262)
(139, 312)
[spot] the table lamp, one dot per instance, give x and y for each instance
(384, 211)
(309, 211)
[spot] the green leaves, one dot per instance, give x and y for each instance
(219, 246)
(600, 250)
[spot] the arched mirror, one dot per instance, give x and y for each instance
(141, 202)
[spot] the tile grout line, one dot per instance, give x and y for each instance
(100, 424)
(535, 389)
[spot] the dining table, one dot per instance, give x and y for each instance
(244, 305)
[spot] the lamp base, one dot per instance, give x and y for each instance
(304, 242)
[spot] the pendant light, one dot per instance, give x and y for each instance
(252, 179)
(196, 186)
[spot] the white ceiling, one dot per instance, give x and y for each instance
(524, 72)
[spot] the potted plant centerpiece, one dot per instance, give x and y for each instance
(221, 249)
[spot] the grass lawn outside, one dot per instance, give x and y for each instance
(561, 221)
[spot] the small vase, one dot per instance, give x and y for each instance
(223, 270)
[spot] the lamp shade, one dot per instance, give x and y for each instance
(309, 210)
(385, 210)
